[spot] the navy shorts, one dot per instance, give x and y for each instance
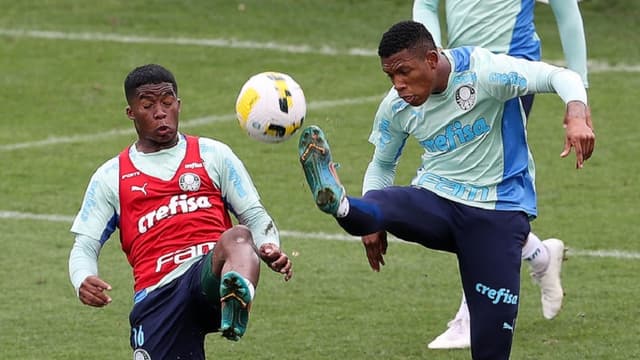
(171, 322)
(527, 103)
(488, 244)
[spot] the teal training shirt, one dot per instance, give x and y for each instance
(506, 27)
(473, 134)
(502, 26)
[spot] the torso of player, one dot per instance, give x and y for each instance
(470, 155)
(165, 223)
(502, 26)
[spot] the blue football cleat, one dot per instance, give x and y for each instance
(320, 170)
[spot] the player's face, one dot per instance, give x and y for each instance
(412, 74)
(155, 111)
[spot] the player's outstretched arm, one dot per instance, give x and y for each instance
(579, 133)
(277, 260)
(92, 291)
(426, 13)
(571, 29)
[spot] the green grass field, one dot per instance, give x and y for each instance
(62, 64)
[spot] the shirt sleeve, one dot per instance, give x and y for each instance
(101, 204)
(571, 30)
(507, 77)
(230, 175)
(426, 12)
(263, 228)
(83, 259)
(379, 174)
(565, 85)
(389, 140)
(94, 223)
(232, 178)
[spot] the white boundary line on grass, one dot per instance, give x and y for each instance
(55, 140)
(616, 254)
(594, 66)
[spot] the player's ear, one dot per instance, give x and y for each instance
(129, 112)
(432, 58)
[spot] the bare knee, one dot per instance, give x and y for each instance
(235, 250)
(238, 235)
(234, 242)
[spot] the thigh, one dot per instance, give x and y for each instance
(172, 321)
(490, 245)
(417, 215)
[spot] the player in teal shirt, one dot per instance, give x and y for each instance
(507, 26)
(474, 193)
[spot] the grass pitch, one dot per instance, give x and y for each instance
(63, 63)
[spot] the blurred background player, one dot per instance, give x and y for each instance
(170, 195)
(507, 27)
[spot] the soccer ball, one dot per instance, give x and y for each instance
(271, 107)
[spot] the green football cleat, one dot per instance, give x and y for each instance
(236, 299)
(320, 170)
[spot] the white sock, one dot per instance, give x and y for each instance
(535, 253)
(252, 289)
(463, 311)
(343, 208)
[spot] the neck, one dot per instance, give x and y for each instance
(443, 69)
(147, 146)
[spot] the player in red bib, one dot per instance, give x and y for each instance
(170, 196)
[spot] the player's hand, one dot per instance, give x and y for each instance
(92, 292)
(277, 260)
(376, 246)
(578, 132)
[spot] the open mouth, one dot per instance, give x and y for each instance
(409, 98)
(164, 130)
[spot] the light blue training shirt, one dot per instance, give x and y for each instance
(506, 27)
(473, 134)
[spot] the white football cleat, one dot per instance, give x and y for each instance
(549, 280)
(457, 336)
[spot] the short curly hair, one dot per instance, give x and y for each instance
(405, 35)
(147, 74)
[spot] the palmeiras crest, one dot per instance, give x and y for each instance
(141, 354)
(466, 97)
(189, 182)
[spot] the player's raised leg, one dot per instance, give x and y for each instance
(354, 215)
(237, 265)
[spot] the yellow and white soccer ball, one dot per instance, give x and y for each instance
(271, 107)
